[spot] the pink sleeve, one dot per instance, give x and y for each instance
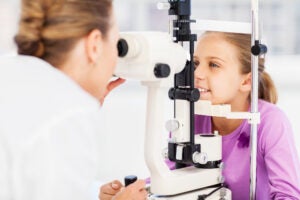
(280, 156)
(170, 164)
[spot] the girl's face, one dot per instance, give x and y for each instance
(217, 70)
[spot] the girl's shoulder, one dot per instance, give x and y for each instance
(269, 110)
(274, 126)
(272, 117)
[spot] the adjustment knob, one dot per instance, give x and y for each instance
(200, 158)
(172, 125)
(161, 70)
(258, 49)
(129, 179)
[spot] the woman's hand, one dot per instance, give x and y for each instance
(111, 85)
(109, 190)
(116, 191)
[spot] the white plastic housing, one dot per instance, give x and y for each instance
(146, 49)
(212, 146)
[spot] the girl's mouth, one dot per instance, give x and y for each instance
(203, 90)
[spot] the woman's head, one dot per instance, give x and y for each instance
(225, 59)
(58, 31)
(49, 28)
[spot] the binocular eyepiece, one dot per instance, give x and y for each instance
(148, 56)
(122, 47)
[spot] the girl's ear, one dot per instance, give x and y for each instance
(94, 46)
(246, 83)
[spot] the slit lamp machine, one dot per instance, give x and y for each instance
(165, 60)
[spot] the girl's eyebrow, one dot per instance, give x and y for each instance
(210, 57)
(217, 58)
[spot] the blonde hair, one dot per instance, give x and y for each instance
(48, 29)
(267, 90)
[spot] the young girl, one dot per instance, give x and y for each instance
(223, 76)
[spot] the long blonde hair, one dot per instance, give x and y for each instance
(267, 90)
(48, 29)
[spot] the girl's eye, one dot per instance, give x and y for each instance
(196, 63)
(211, 64)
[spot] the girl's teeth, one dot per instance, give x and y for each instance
(202, 90)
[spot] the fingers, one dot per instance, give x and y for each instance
(138, 185)
(135, 191)
(115, 191)
(109, 190)
(116, 185)
(140, 193)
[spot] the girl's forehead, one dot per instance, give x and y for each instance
(214, 39)
(215, 45)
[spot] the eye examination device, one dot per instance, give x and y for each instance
(165, 61)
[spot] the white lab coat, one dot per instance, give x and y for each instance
(50, 141)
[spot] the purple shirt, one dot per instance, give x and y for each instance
(278, 165)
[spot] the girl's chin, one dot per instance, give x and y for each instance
(205, 99)
(205, 96)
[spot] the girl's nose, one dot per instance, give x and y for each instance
(200, 72)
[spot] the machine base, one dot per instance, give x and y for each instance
(219, 194)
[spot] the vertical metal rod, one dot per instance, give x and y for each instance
(255, 18)
(171, 28)
(192, 104)
(254, 97)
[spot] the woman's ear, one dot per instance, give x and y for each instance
(246, 83)
(94, 46)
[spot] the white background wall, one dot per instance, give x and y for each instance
(124, 109)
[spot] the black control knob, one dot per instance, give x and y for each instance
(129, 179)
(259, 49)
(162, 70)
